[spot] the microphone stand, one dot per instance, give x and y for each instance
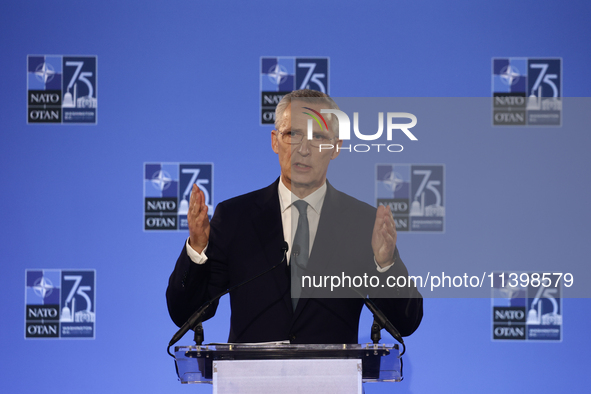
(199, 336)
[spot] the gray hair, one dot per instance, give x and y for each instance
(307, 96)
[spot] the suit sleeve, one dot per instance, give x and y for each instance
(191, 285)
(353, 227)
(403, 306)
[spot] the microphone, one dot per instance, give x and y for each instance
(197, 317)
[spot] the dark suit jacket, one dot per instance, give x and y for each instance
(246, 238)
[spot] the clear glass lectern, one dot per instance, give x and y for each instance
(315, 365)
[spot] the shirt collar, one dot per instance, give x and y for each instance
(315, 200)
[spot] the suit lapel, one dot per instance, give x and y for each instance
(269, 228)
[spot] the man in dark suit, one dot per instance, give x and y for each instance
(334, 232)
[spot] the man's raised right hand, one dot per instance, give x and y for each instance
(198, 220)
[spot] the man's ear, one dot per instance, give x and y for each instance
(275, 141)
(336, 151)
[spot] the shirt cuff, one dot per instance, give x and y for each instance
(197, 258)
(380, 269)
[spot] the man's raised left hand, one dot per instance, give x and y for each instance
(383, 239)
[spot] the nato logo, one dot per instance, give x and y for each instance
(281, 75)
(167, 190)
(415, 195)
(61, 89)
(526, 308)
(527, 91)
(60, 304)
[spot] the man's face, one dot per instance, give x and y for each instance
(303, 166)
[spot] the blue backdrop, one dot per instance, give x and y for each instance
(179, 82)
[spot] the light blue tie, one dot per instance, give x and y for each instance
(299, 251)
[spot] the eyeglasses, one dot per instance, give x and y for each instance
(296, 137)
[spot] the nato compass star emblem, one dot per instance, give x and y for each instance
(161, 180)
(277, 74)
(393, 181)
(44, 72)
(43, 287)
(510, 75)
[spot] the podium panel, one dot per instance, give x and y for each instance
(287, 376)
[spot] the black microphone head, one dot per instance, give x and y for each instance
(285, 247)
